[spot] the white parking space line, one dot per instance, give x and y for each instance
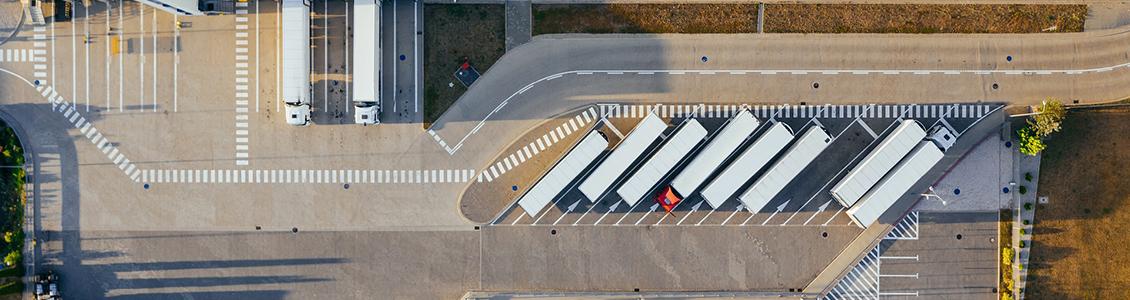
(155, 74)
(74, 63)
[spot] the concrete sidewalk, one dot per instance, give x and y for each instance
(519, 23)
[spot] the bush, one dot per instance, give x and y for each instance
(1028, 206)
(1048, 121)
(13, 258)
(1006, 256)
(1007, 294)
(1030, 143)
(1022, 244)
(1026, 222)
(1023, 231)
(1022, 190)
(1028, 177)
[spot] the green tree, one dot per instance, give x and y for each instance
(1049, 119)
(13, 258)
(1030, 143)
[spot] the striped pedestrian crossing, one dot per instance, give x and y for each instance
(242, 134)
(71, 113)
(573, 125)
(338, 176)
(22, 55)
(967, 111)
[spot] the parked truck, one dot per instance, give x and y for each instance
(366, 61)
(296, 61)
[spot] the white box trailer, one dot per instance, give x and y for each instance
(721, 146)
(601, 179)
(675, 149)
(366, 61)
(564, 172)
(895, 184)
(877, 163)
(796, 158)
(755, 157)
(296, 61)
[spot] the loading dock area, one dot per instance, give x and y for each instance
(878, 162)
(799, 155)
(805, 203)
(629, 150)
(721, 146)
(658, 166)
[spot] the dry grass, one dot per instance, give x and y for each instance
(455, 32)
(644, 18)
(1080, 244)
(914, 18)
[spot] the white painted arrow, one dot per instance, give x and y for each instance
(779, 209)
(569, 210)
(610, 209)
(818, 211)
(649, 211)
(693, 209)
(740, 207)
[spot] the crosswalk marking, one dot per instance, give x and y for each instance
(242, 97)
(575, 124)
(794, 111)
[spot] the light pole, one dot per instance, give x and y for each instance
(930, 193)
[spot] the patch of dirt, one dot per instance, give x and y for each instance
(1079, 242)
(455, 33)
(923, 18)
(645, 18)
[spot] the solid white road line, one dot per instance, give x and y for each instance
(86, 42)
(416, 56)
(176, 59)
(278, 56)
(257, 54)
(325, 54)
(121, 64)
(155, 74)
(141, 58)
(74, 64)
(395, 61)
(109, 56)
(349, 76)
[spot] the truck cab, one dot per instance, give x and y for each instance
(365, 113)
(297, 113)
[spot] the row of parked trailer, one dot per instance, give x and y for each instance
(296, 90)
(869, 188)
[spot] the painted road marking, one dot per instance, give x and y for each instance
(546, 140)
(242, 145)
(68, 109)
(272, 176)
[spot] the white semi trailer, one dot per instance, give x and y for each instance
(366, 61)
(296, 61)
